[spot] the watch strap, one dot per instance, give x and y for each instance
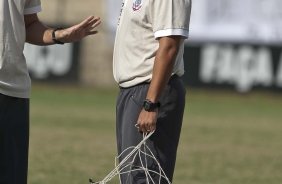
(54, 37)
(150, 106)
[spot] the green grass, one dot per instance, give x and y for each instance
(226, 138)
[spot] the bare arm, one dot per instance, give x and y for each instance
(39, 34)
(163, 65)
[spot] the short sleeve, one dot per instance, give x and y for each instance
(32, 6)
(171, 17)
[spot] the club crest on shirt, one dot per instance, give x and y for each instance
(137, 4)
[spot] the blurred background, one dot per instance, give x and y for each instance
(233, 118)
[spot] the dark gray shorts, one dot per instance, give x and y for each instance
(164, 141)
(14, 137)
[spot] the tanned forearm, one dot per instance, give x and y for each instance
(42, 35)
(39, 34)
(163, 66)
(36, 32)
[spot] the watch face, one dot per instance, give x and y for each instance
(147, 106)
(150, 106)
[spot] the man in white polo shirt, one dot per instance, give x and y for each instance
(19, 23)
(148, 64)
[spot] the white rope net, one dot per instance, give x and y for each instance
(126, 165)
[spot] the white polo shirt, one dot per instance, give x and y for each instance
(141, 23)
(14, 77)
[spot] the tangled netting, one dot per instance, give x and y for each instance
(126, 165)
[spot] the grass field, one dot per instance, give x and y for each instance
(226, 138)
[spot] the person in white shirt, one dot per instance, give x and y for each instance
(19, 23)
(148, 65)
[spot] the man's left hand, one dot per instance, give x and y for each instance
(147, 121)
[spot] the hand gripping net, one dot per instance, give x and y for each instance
(125, 166)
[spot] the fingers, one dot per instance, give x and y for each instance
(86, 21)
(81, 30)
(88, 25)
(91, 25)
(147, 121)
(95, 22)
(90, 22)
(146, 127)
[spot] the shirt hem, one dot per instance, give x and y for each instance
(16, 95)
(32, 10)
(129, 84)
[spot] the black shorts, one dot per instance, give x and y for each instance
(14, 139)
(164, 141)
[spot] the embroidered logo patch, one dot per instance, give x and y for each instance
(137, 5)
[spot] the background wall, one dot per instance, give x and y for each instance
(232, 44)
(93, 54)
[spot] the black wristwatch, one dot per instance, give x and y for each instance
(150, 106)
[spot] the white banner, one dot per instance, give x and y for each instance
(251, 21)
(248, 21)
(45, 61)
